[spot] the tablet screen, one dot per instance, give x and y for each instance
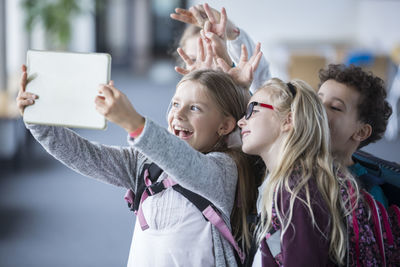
(67, 84)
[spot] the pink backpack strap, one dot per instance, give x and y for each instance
(386, 223)
(215, 219)
(394, 216)
(206, 207)
(129, 196)
(355, 223)
(377, 224)
(151, 190)
(396, 211)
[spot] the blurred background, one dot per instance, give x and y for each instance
(51, 216)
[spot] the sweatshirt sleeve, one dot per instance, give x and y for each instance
(212, 175)
(262, 73)
(110, 164)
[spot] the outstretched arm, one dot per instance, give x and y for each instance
(113, 165)
(187, 166)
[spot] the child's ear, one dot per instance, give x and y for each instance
(364, 131)
(287, 123)
(227, 126)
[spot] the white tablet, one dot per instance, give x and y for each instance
(67, 85)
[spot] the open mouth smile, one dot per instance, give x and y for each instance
(182, 132)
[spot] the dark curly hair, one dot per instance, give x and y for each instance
(372, 106)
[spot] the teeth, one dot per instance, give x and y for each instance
(178, 128)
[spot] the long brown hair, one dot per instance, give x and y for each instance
(232, 100)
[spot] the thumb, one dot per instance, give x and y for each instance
(111, 83)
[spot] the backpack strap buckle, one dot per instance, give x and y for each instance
(155, 188)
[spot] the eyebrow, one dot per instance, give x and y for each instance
(335, 98)
(191, 102)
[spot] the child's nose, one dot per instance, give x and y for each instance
(241, 122)
(180, 114)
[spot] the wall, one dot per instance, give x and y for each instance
(288, 20)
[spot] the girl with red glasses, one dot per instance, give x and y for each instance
(300, 215)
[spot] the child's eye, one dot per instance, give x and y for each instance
(336, 108)
(194, 108)
(175, 104)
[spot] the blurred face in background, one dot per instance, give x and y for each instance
(190, 47)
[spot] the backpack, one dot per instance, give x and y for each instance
(148, 186)
(373, 232)
(379, 172)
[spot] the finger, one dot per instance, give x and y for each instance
(101, 106)
(196, 13)
(111, 83)
(212, 36)
(184, 57)
(107, 92)
(26, 95)
(224, 19)
(250, 74)
(255, 63)
(181, 70)
(100, 100)
(24, 103)
(223, 65)
(209, 13)
(207, 26)
(255, 53)
(200, 50)
(244, 54)
(184, 19)
(203, 36)
(210, 55)
(183, 11)
(258, 48)
(24, 78)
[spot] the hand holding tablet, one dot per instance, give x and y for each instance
(66, 85)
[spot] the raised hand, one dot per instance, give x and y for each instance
(218, 44)
(198, 15)
(24, 98)
(203, 60)
(195, 15)
(243, 73)
(116, 107)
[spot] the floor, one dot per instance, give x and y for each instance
(51, 216)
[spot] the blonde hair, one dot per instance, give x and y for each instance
(232, 100)
(306, 150)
